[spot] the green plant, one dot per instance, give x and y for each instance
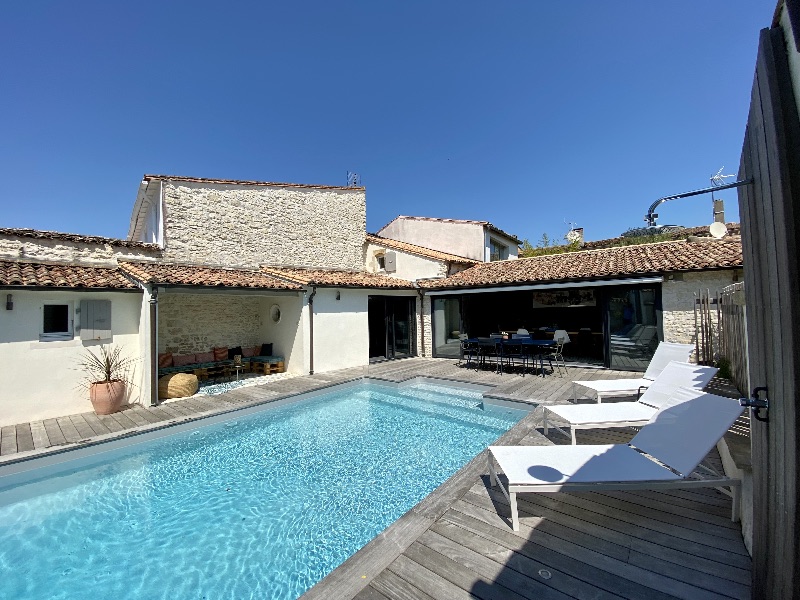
(724, 366)
(109, 364)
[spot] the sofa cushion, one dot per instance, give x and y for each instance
(220, 354)
(234, 351)
(248, 352)
(181, 360)
(266, 350)
(205, 357)
(165, 360)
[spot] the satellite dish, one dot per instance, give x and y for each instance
(718, 230)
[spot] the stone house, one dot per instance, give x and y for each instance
(478, 240)
(211, 262)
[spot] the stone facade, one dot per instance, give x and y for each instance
(248, 225)
(677, 298)
(427, 348)
(189, 323)
(65, 251)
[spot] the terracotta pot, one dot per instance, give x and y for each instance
(107, 397)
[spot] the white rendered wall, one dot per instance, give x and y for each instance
(40, 380)
(461, 239)
(409, 266)
(287, 335)
(341, 330)
(513, 249)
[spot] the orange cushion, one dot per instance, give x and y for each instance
(165, 360)
(220, 354)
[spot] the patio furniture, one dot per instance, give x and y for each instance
(665, 353)
(560, 337)
(678, 436)
(632, 414)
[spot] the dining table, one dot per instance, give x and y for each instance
(498, 348)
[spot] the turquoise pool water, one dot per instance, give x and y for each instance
(261, 506)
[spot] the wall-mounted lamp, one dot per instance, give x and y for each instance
(338, 295)
(10, 302)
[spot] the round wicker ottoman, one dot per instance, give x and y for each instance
(177, 385)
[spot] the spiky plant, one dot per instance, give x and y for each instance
(107, 365)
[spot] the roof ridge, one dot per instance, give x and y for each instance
(150, 176)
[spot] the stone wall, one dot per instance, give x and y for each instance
(65, 251)
(247, 225)
(677, 298)
(427, 349)
(189, 323)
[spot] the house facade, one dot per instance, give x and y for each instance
(213, 264)
(478, 240)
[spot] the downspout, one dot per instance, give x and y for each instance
(421, 323)
(154, 346)
(311, 330)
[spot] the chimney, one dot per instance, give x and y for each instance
(719, 211)
(575, 236)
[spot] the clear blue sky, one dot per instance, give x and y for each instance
(526, 114)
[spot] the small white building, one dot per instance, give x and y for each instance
(477, 240)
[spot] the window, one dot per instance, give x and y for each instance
(497, 251)
(56, 322)
(381, 259)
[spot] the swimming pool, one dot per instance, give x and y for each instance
(258, 506)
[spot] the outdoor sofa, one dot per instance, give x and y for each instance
(258, 359)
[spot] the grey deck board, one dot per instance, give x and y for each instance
(457, 542)
(24, 438)
(54, 433)
(39, 434)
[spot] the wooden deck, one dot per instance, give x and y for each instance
(457, 542)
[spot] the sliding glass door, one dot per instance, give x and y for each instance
(391, 326)
(447, 327)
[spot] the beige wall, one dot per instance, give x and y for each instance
(341, 330)
(98, 255)
(461, 239)
(248, 225)
(677, 298)
(41, 380)
(409, 266)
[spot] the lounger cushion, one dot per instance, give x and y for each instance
(205, 357)
(602, 414)
(181, 360)
(558, 465)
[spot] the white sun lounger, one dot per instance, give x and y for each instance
(679, 437)
(631, 414)
(664, 354)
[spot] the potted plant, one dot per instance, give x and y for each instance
(107, 372)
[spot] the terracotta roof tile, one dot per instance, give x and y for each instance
(418, 250)
(193, 275)
(13, 273)
(246, 182)
(607, 262)
(337, 278)
(74, 237)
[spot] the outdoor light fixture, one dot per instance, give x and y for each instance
(10, 302)
(338, 295)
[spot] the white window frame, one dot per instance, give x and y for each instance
(58, 335)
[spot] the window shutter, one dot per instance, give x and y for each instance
(390, 262)
(95, 319)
